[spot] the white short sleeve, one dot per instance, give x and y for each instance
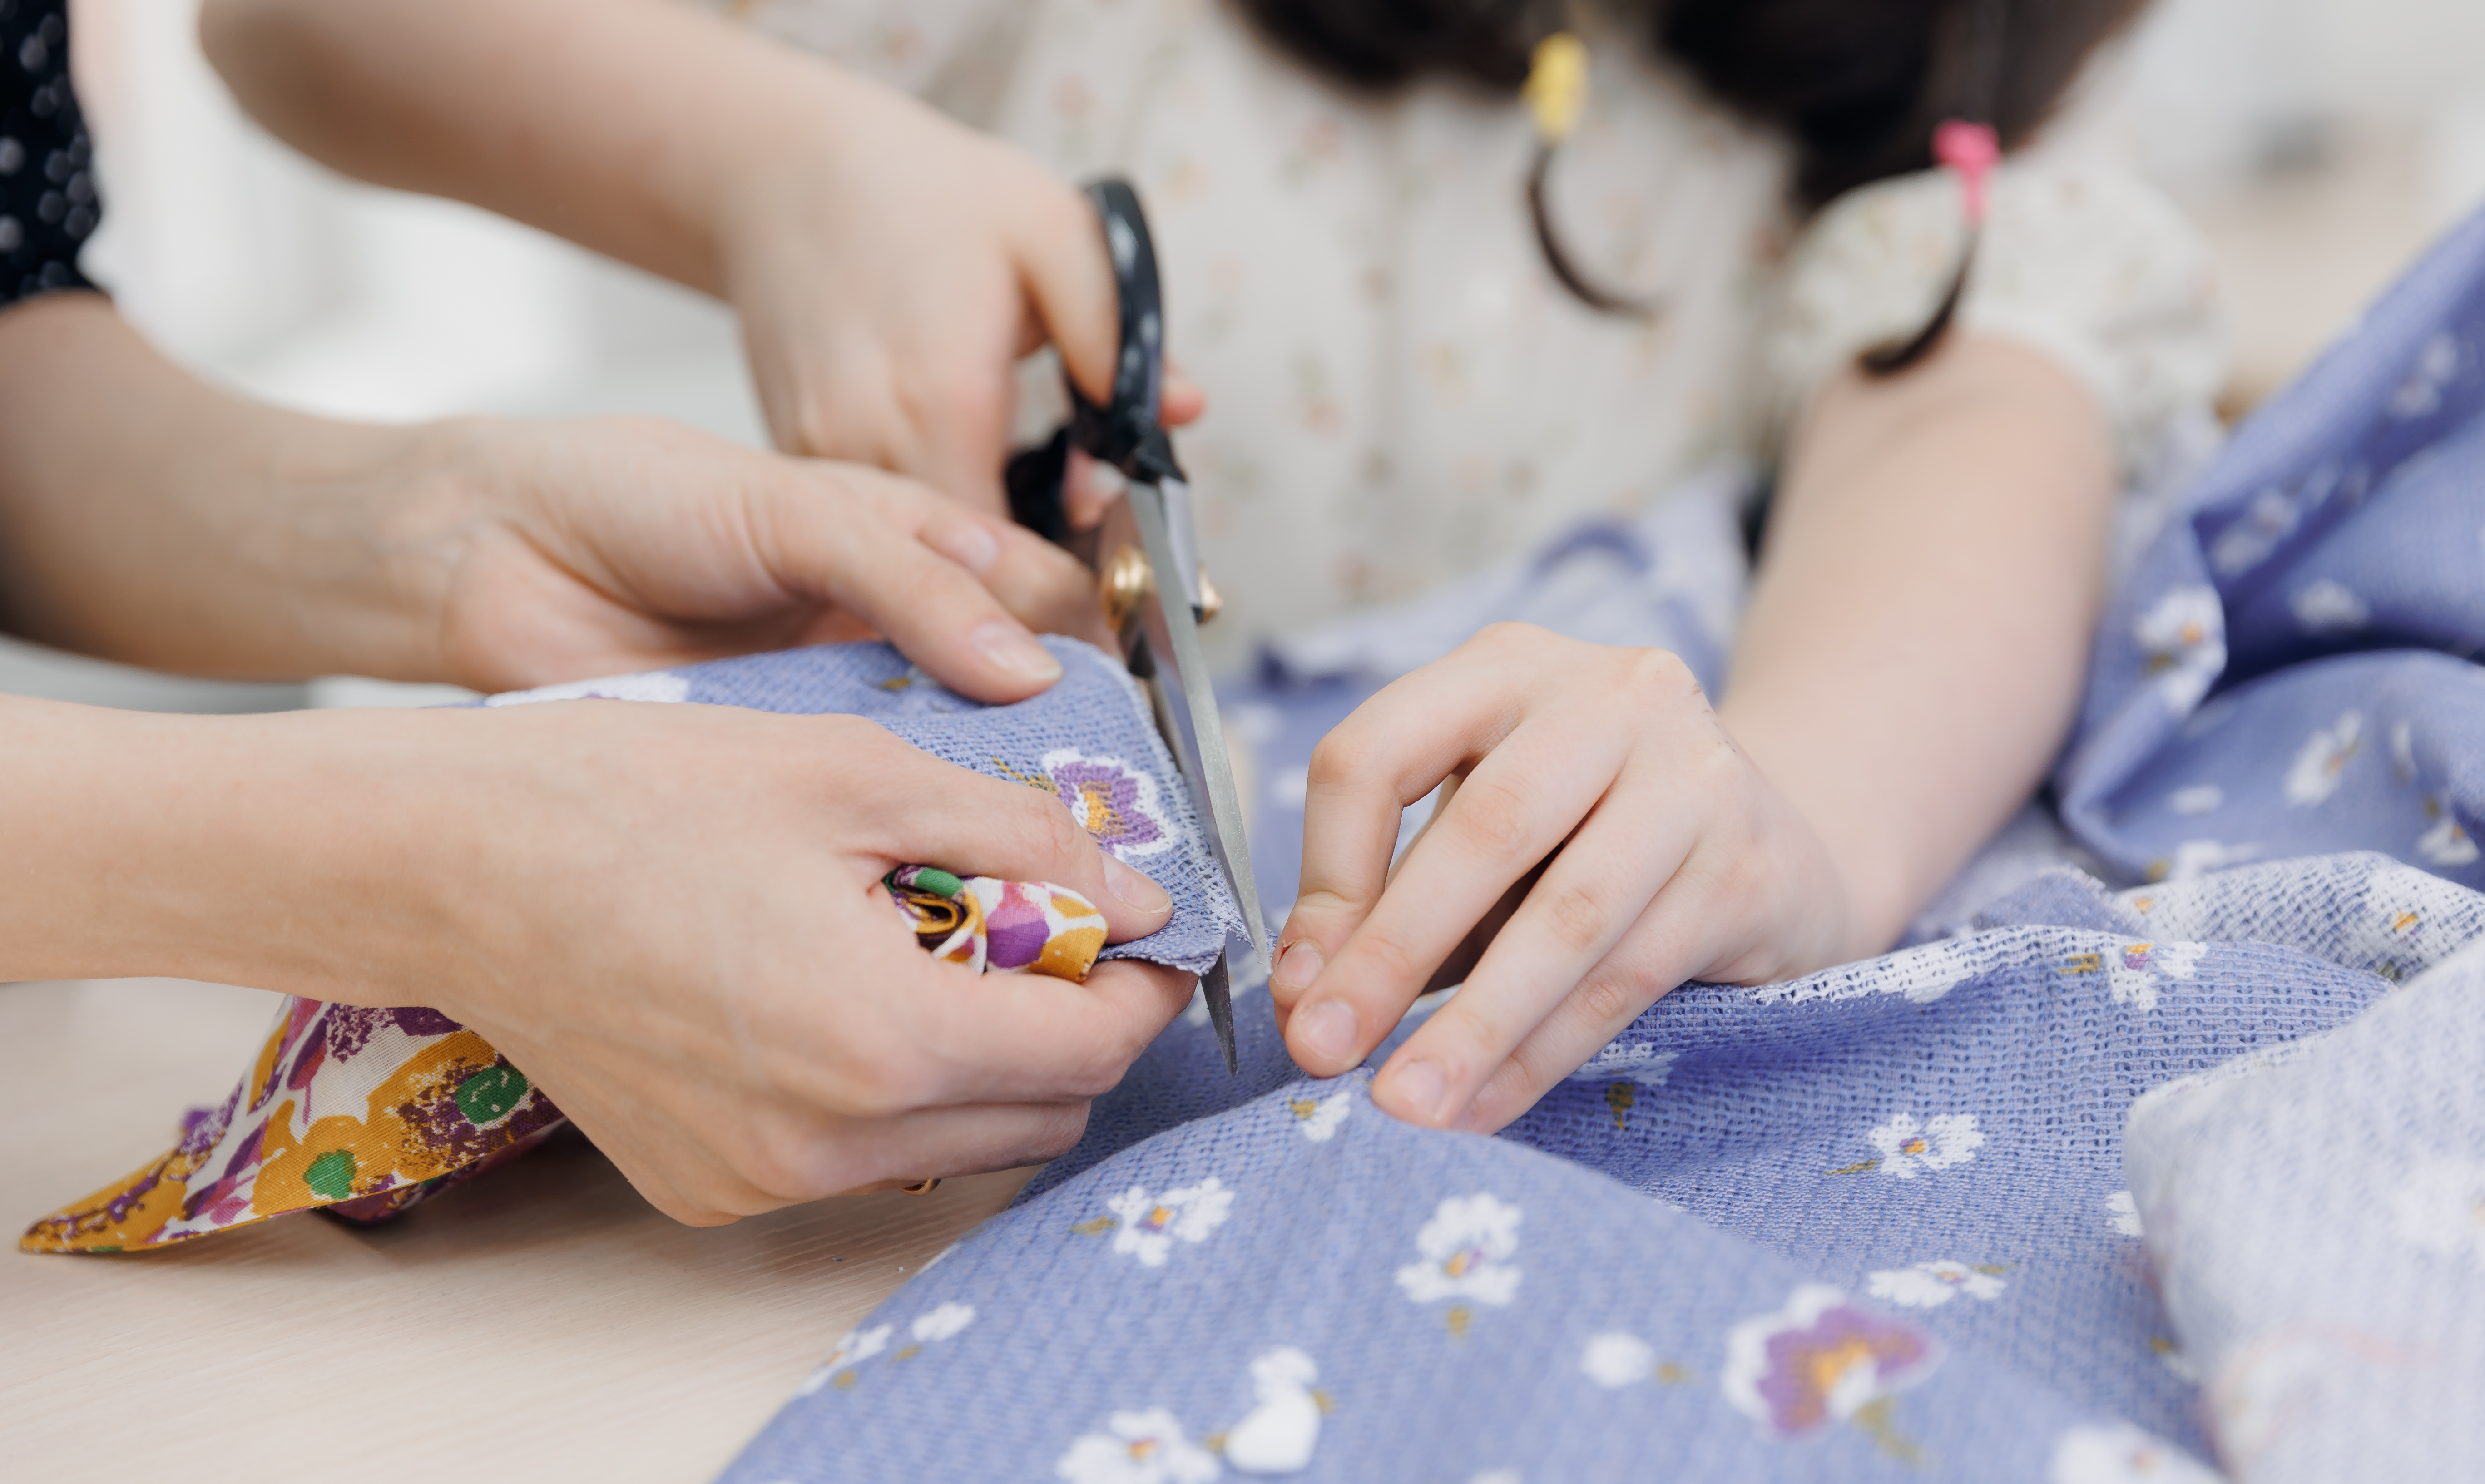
(2081, 262)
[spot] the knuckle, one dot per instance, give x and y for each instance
(874, 1076)
(1494, 818)
(1510, 636)
(1575, 918)
(1660, 677)
(1607, 999)
(1058, 1131)
(1340, 758)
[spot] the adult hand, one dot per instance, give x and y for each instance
(892, 267)
(672, 917)
(558, 551)
(1671, 858)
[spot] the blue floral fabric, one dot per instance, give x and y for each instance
(1874, 1223)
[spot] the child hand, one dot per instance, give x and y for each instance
(561, 551)
(1596, 784)
(892, 267)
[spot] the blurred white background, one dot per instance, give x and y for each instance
(2320, 143)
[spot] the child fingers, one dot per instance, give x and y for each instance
(1068, 278)
(1509, 814)
(1666, 947)
(1391, 751)
(1543, 960)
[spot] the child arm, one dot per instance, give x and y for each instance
(1913, 649)
(889, 266)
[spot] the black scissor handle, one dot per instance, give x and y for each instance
(1124, 431)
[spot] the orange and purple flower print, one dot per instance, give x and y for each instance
(1111, 801)
(1821, 1358)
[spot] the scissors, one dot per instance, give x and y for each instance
(1146, 560)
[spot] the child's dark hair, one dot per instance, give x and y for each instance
(1860, 84)
(1857, 85)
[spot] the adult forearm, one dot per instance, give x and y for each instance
(620, 124)
(1918, 628)
(266, 850)
(147, 517)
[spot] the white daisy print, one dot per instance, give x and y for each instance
(2271, 518)
(1318, 1120)
(2322, 761)
(1137, 1447)
(2135, 971)
(2447, 842)
(1933, 1285)
(1151, 1224)
(2185, 636)
(2198, 857)
(2403, 750)
(651, 685)
(2328, 607)
(1467, 1246)
(1617, 1360)
(942, 1323)
(2198, 799)
(1278, 1435)
(851, 1349)
(1642, 1064)
(2122, 1214)
(1938, 1142)
(2441, 1209)
(2420, 394)
(2121, 1454)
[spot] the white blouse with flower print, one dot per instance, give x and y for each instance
(1400, 393)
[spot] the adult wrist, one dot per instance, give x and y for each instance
(284, 852)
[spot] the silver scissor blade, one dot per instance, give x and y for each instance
(1217, 987)
(1206, 765)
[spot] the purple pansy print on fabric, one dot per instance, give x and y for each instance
(1111, 801)
(1819, 1360)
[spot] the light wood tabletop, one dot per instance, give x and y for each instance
(542, 1322)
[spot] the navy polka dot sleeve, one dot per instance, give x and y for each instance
(47, 201)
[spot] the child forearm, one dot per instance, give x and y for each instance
(1919, 630)
(621, 124)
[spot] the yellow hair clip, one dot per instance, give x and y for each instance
(1557, 86)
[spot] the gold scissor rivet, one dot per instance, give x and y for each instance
(1125, 579)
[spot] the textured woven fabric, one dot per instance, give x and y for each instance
(2317, 1220)
(1874, 1222)
(364, 1112)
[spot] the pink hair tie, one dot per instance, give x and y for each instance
(1971, 149)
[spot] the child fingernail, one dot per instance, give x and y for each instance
(1327, 1030)
(971, 546)
(1298, 966)
(1007, 647)
(1135, 890)
(1416, 1088)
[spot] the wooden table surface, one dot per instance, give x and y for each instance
(542, 1322)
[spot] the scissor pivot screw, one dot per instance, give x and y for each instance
(1126, 580)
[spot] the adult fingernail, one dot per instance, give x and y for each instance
(1135, 890)
(1298, 966)
(1329, 1030)
(1416, 1088)
(1007, 647)
(969, 545)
